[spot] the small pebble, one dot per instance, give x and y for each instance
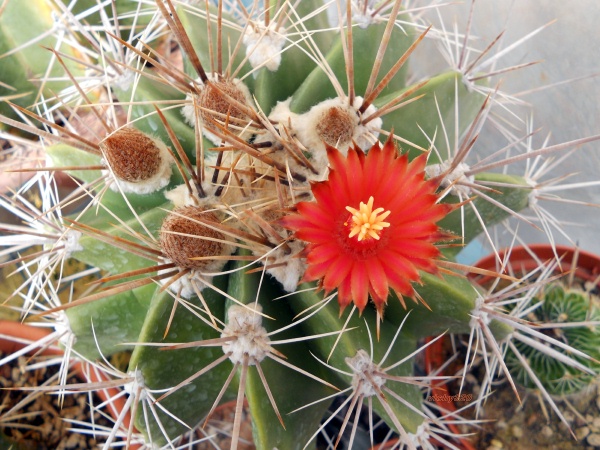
(471, 379)
(495, 445)
(582, 432)
(73, 441)
(517, 431)
(501, 424)
(594, 439)
(581, 421)
(547, 431)
(569, 416)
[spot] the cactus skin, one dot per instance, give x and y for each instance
(154, 313)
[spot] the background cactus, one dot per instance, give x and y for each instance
(202, 252)
(561, 305)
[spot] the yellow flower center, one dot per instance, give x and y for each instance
(367, 223)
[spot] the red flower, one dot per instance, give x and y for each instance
(372, 225)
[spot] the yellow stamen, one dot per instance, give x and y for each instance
(367, 223)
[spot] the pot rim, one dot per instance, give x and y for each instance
(584, 265)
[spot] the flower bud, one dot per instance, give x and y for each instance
(139, 162)
(189, 232)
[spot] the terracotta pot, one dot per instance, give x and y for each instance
(21, 335)
(585, 264)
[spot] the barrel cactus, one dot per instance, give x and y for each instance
(272, 207)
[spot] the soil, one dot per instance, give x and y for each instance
(507, 425)
(39, 423)
(525, 426)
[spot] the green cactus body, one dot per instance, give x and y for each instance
(450, 299)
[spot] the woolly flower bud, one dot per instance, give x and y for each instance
(263, 48)
(190, 232)
(332, 122)
(219, 101)
(140, 163)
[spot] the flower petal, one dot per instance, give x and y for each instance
(378, 281)
(338, 272)
(360, 285)
(323, 253)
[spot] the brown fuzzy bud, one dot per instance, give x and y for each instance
(336, 126)
(183, 236)
(132, 155)
(215, 101)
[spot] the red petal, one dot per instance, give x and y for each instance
(336, 159)
(399, 264)
(315, 214)
(417, 165)
(360, 285)
(323, 195)
(422, 209)
(338, 272)
(294, 222)
(426, 265)
(392, 183)
(345, 294)
(323, 253)
(414, 249)
(315, 272)
(354, 178)
(379, 283)
(415, 230)
(400, 284)
(340, 192)
(314, 235)
(374, 168)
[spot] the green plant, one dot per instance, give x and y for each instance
(231, 200)
(559, 305)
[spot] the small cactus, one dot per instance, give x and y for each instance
(560, 305)
(276, 220)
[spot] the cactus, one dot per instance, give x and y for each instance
(275, 221)
(559, 305)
